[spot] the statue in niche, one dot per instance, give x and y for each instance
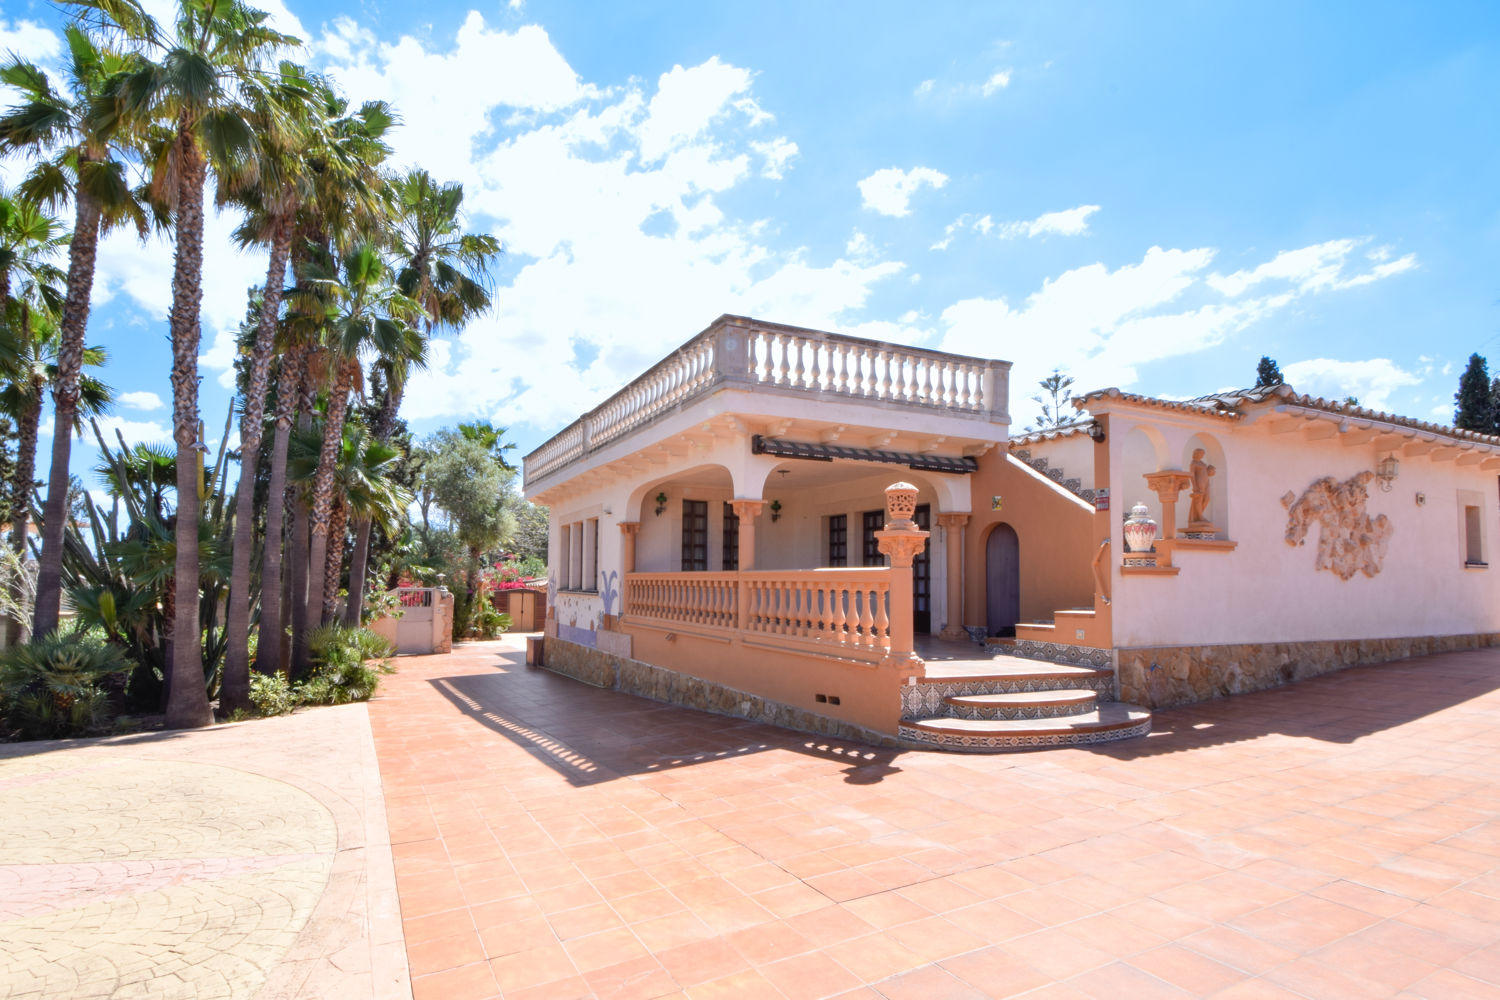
(1349, 540)
(1200, 473)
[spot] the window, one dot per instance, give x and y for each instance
(874, 520)
(1473, 538)
(565, 555)
(590, 577)
(694, 536)
(731, 539)
(838, 540)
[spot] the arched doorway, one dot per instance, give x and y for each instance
(1002, 576)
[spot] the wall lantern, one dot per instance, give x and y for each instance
(661, 504)
(1385, 472)
(775, 510)
(1096, 431)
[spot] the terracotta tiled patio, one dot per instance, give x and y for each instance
(1337, 838)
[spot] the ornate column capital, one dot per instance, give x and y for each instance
(901, 546)
(1168, 484)
(953, 519)
(747, 510)
(630, 528)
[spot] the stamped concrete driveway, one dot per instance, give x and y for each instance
(1338, 838)
(241, 861)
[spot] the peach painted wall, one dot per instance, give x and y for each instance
(868, 695)
(1055, 536)
(1268, 591)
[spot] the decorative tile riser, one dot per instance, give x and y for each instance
(994, 744)
(1059, 652)
(920, 701)
(1020, 712)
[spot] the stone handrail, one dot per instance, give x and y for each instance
(738, 351)
(840, 612)
(828, 362)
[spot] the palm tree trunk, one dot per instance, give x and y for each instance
(385, 425)
(322, 497)
(338, 524)
(20, 509)
(358, 568)
(297, 551)
(235, 691)
(187, 705)
(268, 659)
(82, 253)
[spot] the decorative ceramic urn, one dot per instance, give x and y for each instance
(1140, 530)
(900, 505)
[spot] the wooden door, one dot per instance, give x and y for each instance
(1002, 581)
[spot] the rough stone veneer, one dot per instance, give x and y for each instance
(619, 673)
(1166, 676)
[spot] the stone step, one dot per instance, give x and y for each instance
(1074, 613)
(1047, 704)
(1114, 721)
(1004, 674)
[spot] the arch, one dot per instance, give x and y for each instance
(1002, 580)
(951, 493)
(636, 506)
(1143, 450)
(1218, 506)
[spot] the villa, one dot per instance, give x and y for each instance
(842, 536)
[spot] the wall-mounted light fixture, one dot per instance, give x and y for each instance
(775, 510)
(661, 504)
(1096, 431)
(1386, 471)
(1421, 499)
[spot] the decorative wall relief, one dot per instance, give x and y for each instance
(1349, 540)
(609, 591)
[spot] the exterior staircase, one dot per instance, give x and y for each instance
(1056, 474)
(1008, 703)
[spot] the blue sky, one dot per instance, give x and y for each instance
(1149, 196)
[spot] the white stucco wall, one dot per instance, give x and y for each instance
(1073, 454)
(1268, 591)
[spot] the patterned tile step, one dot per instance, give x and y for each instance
(1111, 722)
(1023, 704)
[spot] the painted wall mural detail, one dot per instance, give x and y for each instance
(1349, 540)
(609, 591)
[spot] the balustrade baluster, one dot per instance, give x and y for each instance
(814, 371)
(836, 616)
(766, 345)
(866, 618)
(882, 616)
(843, 359)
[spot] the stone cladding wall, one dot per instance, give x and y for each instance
(619, 673)
(1167, 676)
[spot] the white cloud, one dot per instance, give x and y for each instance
(1100, 324)
(1313, 268)
(134, 431)
(607, 202)
(1372, 381)
(141, 401)
(777, 154)
(1069, 222)
(925, 87)
(889, 191)
(859, 246)
(29, 40)
(997, 82)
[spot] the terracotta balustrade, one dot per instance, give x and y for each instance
(843, 612)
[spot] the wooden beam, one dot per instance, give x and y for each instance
(1360, 435)
(1473, 457)
(1414, 448)
(1445, 453)
(1285, 425)
(1321, 430)
(1388, 441)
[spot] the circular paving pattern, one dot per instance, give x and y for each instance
(140, 878)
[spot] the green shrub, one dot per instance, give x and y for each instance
(342, 670)
(55, 686)
(271, 694)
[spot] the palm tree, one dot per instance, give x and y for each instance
(196, 90)
(342, 156)
(69, 131)
(447, 271)
(362, 486)
(362, 309)
(29, 241)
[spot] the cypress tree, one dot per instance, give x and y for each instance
(1267, 373)
(1474, 411)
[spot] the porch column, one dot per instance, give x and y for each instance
(953, 525)
(1167, 485)
(902, 540)
(747, 511)
(628, 531)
